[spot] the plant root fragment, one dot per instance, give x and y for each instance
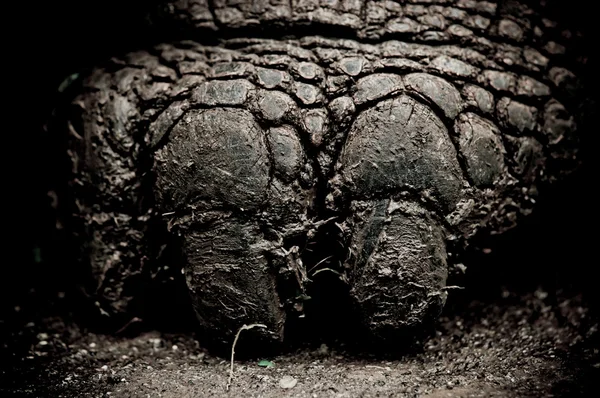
(237, 336)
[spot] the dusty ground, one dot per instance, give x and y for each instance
(532, 345)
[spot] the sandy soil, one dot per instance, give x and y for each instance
(515, 347)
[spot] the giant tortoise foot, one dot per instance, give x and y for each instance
(256, 166)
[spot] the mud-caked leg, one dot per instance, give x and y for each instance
(399, 172)
(398, 269)
(230, 280)
(214, 176)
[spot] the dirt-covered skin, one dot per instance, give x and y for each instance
(428, 123)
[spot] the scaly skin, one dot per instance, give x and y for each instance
(432, 122)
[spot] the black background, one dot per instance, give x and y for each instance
(47, 41)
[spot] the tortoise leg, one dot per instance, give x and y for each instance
(399, 269)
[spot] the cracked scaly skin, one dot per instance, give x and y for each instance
(432, 121)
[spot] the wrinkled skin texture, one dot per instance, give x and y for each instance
(433, 122)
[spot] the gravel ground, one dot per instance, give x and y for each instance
(532, 345)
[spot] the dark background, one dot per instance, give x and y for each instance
(48, 41)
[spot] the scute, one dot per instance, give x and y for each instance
(397, 144)
(217, 155)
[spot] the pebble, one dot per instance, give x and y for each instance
(288, 382)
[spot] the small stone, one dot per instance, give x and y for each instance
(156, 342)
(323, 350)
(288, 382)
